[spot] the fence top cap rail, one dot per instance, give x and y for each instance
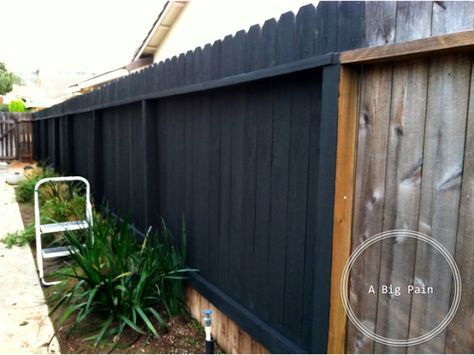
(232, 80)
(412, 49)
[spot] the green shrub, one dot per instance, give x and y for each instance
(123, 281)
(3, 108)
(25, 189)
(17, 106)
(20, 238)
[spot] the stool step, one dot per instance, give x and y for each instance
(58, 252)
(63, 226)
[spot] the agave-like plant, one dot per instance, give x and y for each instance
(123, 281)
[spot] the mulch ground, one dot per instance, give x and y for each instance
(185, 336)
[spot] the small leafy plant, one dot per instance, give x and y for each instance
(20, 238)
(122, 281)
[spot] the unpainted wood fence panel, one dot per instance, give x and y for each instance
(7, 137)
(413, 172)
(16, 136)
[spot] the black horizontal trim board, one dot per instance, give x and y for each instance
(246, 320)
(283, 69)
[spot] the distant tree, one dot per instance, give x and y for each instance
(7, 79)
(17, 106)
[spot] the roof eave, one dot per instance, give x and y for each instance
(171, 11)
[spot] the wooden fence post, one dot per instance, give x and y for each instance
(343, 202)
(325, 198)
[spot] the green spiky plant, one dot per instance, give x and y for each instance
(122, 281)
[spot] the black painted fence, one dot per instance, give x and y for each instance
(240, 138)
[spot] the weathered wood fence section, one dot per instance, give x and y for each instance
(407, 154)
(16, 136)
(241, 138)
(414, 139)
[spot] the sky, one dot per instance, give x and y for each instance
(71, 35)
(90, 36)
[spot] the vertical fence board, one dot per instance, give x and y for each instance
(279, 195)
(237, 114)
(306, 31)
(253, 61)
(452, 16)
(350, 25)
(380, 29)
(264, 148)
(200, 158)
(161, 137)
(326, 27)
(263, 204)
(214, 187)
(413, 20)
(297, 204)
(225, 169)
(312, 235)
(190, 109)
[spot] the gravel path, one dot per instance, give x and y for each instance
(25, 326)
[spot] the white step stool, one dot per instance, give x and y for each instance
(58, 252)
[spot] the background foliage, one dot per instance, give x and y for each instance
(7, 79)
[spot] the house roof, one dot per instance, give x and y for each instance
(160, 28)
(144, 54)
(103, 78)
